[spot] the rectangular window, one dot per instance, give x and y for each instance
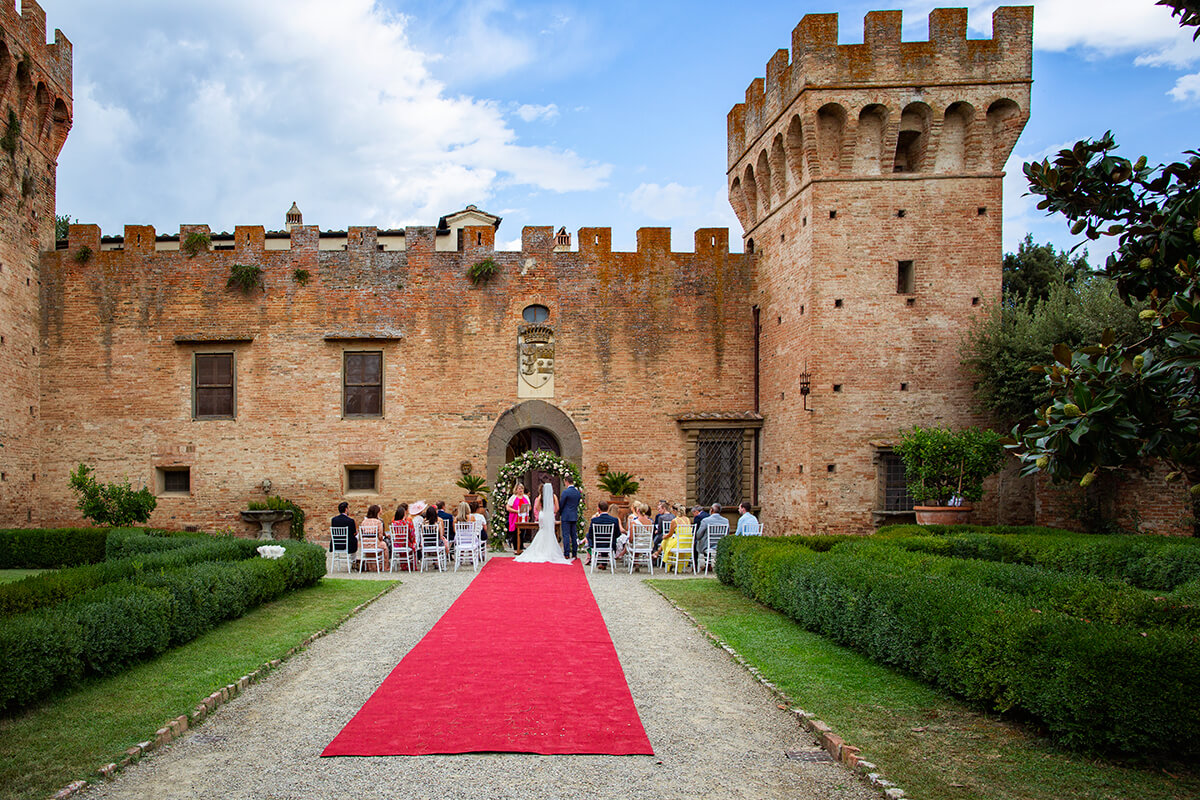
(719, 466)
(213, 386)
(905, 283)
(174, 480)
(893, 487)
(360, 479)
(362, 389)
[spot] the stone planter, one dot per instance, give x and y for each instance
(266, 519)
(943, 515)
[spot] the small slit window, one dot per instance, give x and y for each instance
(904, 277)
(174, 480)
(535, 313)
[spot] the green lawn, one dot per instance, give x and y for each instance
(10, 575)
(69, 737)
(933, 746)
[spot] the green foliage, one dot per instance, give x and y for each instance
(50, 549)
(169, 599)
(12, 133)
(472, 484)
(1031, 273)
(195, 242)
(1117, 404)
(115, 504)
(619, 484)
(1012, 637)
(245, 277)
(1002, 347)
(300, 276)
(277, 503)
(482, 271)
(83, 255)
(940, 464)
(62, 226)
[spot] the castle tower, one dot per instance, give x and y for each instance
(35, 116)
(293, 218)
(868, 179)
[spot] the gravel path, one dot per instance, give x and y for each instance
(715, 731)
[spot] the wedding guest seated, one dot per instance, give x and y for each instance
(662, 521)
(404, 532)
(464, 514)
(681, 524)
(746, 521)
(602, 517)
(698, 514)
(372, 524)
(480, 518)
(447, 519)
(640, 513)
(344, 520)
(700, 541)
(431, 518)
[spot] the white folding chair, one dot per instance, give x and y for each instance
(431, 546)
(640, 549)
(602, 545)
(753, 529)
(402, 552)
(466, 544)
(370, 549)
(680, 550)
(481, 542)
(716, 531)
(339, 547)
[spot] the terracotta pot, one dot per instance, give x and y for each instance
(943, 515)
(470, 498)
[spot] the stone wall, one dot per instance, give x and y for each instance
(35, 116)
(640, 338)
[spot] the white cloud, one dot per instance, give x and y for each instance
(1186, 88)
(225, 113)
(672, 201)
(529, 112)
(1102, 28)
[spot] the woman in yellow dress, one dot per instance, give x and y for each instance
(682, 524)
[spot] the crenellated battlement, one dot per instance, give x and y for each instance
(25, 32)
(883, 60)
(35, 77)
(472, 241)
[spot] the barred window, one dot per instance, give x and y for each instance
(719, 466)
(362, 387)
(892, 484)
(360, 479)
(212, 396)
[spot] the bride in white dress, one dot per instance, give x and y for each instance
(544, 549)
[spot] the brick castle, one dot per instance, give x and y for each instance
(363, 364)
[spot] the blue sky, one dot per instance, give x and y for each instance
(546, 113)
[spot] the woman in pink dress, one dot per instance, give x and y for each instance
(404, 534)
(518, 510)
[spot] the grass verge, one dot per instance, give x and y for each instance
(68, 737)
(10, 575)
(933, 746)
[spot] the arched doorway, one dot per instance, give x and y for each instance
(528, 439)
(532, 425)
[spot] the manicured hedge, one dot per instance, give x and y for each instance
(1093, 684)
(111, 627)
(47, 589)
(1151, 562)
(128, 542)
(51, 549)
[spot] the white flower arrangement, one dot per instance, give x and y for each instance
(271, 551)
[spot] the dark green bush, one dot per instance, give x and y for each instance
(39, 548)
(107, 629)
(1151, 562)
(128, 542)
(40, 591)
(971, 628)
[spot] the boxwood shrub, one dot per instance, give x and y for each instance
(51, 549)
(109, 628)
(1151, 562)
(47, 589)
(1093, 684)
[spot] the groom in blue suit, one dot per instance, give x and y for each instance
(568, 507)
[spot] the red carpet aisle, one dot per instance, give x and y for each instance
(522, 662)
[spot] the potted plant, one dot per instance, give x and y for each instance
(944, 470)
(474, 486)
(620, 486)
